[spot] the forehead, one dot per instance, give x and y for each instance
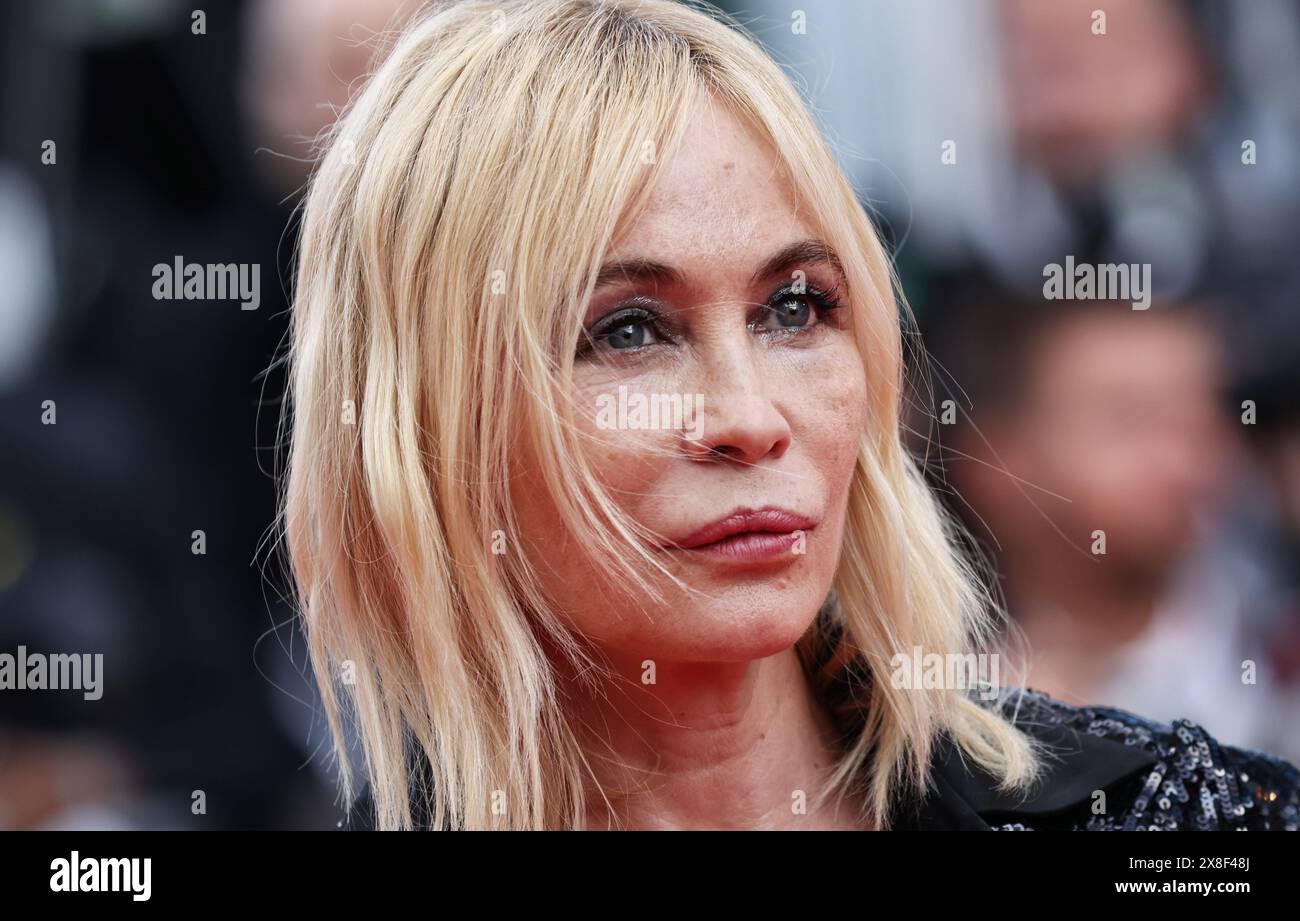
(720, 203)
(1154, 354)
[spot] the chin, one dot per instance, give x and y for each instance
(739, 626)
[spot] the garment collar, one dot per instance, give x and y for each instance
(962, 797)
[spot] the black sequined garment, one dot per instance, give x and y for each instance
(1154, 776)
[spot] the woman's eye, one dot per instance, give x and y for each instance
(628, 335)
(621, 333)
(791, 312)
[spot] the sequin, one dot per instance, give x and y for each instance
(1198, 783)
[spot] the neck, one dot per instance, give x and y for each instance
(1076, 616)
(719, 745)
(1099, 607)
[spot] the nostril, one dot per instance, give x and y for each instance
(707, 452)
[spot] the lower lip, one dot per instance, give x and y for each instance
(754, 546)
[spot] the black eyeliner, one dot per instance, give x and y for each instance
(629, 313)
(823, 302)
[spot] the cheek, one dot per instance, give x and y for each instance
(629, 463)
(627, 460)
(836, 412)
(583, 590)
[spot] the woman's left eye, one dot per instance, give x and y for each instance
(789, 312)
(793, 311)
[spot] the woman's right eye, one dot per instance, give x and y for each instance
(622, 332)
(627, 335)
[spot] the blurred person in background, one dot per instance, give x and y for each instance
(1274, 441)
(301, 60)
(1088, 421)
(167, 141)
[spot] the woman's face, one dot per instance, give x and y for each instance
(698, 303)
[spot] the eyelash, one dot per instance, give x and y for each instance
(824, 304)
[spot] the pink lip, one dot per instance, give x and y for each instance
(750, 534)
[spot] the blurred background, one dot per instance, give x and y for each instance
(990, 139)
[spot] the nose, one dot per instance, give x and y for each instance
(741, 423)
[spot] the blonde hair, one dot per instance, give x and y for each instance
(450, 242)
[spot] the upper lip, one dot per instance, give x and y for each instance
(767, 520)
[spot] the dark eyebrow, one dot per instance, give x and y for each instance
(779, 264)
(793, 255)
(639, 270)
